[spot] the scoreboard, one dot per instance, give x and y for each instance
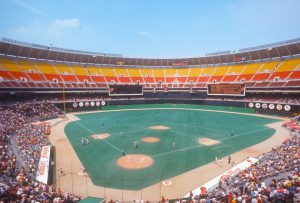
(125, 90)
(226, 89)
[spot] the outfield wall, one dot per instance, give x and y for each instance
(258, 107)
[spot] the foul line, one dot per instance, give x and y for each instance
(262, 129)
(95, 133)
(181, 149)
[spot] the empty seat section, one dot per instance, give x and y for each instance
(135, 75)
(96, 74)
(9, 65)
(79, 70)
(171, 72)
(194, 74)
(110, 75)
(159, 74)
(219, 73)
(123, 75)
(49, 72)
(182, 75)
(264, 71)
(81, 74)
(260, 76)
(229, 78)
(295, 75)
(285, 69)
(233, 73)
(28, 66)
(206, 75)
(66, 73)
(148, 75)
(13, 69)
(268, 67)
(248, 72)
(6, 75)
(171, 75)
(31, 70)
(203, 79)
(235, 69)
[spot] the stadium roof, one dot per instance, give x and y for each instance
(9, 47)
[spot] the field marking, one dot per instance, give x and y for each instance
(249, 132)
(213, 148)
(181, 149)
(104, 140)
(184, 134)
(188, 109)
(118, 133)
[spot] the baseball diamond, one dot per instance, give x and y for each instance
(199, 135)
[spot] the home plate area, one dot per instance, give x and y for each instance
(135, 161)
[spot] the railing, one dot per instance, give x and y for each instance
(33, 45)
(218, 53)
(286, 42)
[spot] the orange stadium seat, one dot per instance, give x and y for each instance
(135, 75)
(295, 75)
(193, 74)
(229, 78)
(6, 75)
(248, 72)
(148, 75)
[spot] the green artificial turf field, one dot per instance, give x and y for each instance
(187, 124)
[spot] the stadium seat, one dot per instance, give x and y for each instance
(109, 75)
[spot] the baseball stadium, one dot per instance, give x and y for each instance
(83, 126)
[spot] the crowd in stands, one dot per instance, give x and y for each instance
(18, 165)
(274, 179)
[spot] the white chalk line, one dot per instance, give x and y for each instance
(104, 140)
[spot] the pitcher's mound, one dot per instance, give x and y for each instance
(208, 141)
(101, 136)
(150, 139)
(159, 127)
(135, 161)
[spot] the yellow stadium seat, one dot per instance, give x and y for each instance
(220, 71)
(46, 68)
(94, 71)
(79, 70)
(207, 71)
(134, 72)
(235, 69)
(64, 69)
(195, 72)
(268, 67)
(121, 71)
(251, 68)
(108, 72)
(288, 65)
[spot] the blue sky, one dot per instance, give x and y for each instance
(151, 28)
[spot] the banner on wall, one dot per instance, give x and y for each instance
(87, 104)
(278, 107)
(43, 167)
